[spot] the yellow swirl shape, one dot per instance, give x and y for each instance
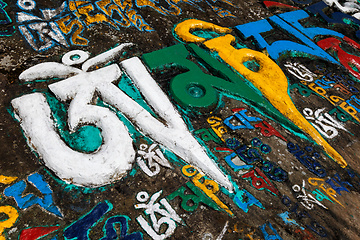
(184, 29)
(269, 79)
(12, 216)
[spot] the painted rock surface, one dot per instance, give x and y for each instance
(194, 119)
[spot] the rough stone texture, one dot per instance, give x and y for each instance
(19, 160)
